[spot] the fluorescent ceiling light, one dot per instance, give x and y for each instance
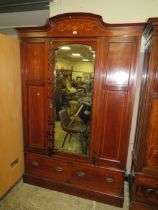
(65, 48)
(85, 59)
(76, 54)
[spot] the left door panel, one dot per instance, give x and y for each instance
(34, 94)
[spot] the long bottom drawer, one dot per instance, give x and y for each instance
(80, 179)
(98, 179)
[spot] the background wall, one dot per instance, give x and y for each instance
(112, 11)
(79, 69)
(11, 149)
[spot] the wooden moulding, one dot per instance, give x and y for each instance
(80, 25)
(73, 190)
(140, 206)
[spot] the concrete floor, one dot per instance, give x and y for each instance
(28, 197)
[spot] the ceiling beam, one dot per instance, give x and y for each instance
(7, 6)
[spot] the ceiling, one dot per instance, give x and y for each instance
(22, 13)
(84, 52)
(7, 6)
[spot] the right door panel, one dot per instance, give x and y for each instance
(113, 121)
(116, 101)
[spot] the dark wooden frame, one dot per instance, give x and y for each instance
(108, 40)
(145, 166)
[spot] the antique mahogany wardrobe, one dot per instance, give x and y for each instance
(78, 84)
(145, 153)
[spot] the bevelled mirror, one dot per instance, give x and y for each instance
(74, 73)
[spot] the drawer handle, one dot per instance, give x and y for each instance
(59, 169)
(35, 164)
(81, 174)
(109, 180)
(152, 191)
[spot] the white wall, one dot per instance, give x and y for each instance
(112, 11)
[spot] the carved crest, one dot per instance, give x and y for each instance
(78, 26)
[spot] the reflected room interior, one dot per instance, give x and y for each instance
(74, 73)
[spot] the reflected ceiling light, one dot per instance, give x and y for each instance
(84, 59)
(65, 48)
(76, 54)
(93, 55)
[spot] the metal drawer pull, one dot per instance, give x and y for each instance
(35, 164)
(152, 191)
(59, 169)
(109, 180)
(81, 174)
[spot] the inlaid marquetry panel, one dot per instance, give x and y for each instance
(35, 56)
(152, 148)
(36, 116)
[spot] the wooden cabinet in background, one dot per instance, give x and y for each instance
(145, 153)
(100, 175)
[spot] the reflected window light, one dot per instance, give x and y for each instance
(65, 48)
(76, 54)
(84, 59)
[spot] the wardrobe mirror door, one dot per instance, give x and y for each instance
(74, 73)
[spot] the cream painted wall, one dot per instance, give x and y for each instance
(62, 63)
(79, 68)
(11, 147)
(112, 11)
(83, 66)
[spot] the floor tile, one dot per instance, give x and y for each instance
(28, 197)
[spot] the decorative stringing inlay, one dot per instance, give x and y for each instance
(67, 26)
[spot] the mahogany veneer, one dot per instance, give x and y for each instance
(145, 153)
(99, 176)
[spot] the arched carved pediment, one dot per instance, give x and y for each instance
(77, 24)
(80, 24)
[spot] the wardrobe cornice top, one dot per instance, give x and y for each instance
(80, 25)
(151, 27)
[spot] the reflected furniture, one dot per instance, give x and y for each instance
(64, 73)
(98, 175)
(70, 126)
(145, 152)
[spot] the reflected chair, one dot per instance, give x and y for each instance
(71, 127)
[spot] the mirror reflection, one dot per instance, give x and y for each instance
(74, 73)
